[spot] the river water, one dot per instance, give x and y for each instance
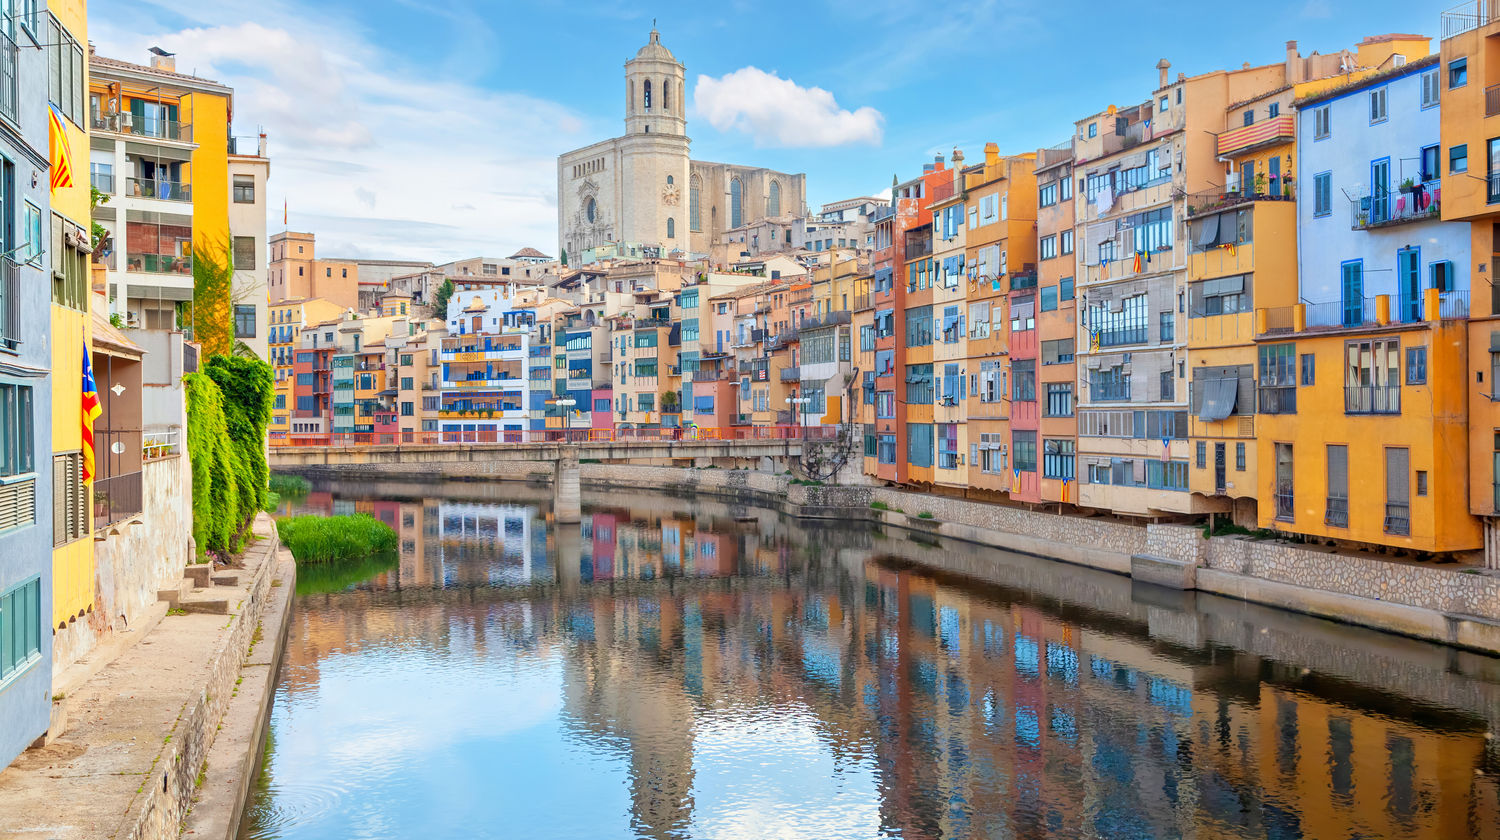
(676, 668)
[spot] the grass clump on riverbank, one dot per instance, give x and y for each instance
(290, 486)
(330, 539)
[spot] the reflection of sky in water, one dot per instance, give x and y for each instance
(643, 695)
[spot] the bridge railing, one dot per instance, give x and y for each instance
(535, 436)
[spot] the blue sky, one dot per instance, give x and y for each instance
(430, 130)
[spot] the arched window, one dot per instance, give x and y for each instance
(671, 228)
(695, 218)
(646, 94)
(773, 201)
(669, 179)
(736, 203)
(666, 95)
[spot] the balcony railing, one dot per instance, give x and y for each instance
(1118, 338)
(1469, 15)
(1110, 391)
(159, 264)
(1286, 509)
(144, 127)
(117, 498)
(1492, 100)
(1418, 202)
(1199, 204)
(1372, 399)
(1397, 519)
(791, 374)
(1278, 399)
(159, 188)
(1336, 513)
(160, 444)
(1271, 130)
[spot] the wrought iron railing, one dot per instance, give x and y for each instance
(1372, 399)
(1397, 519)
(117, 498)
(1336, 512)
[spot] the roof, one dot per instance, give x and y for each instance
(1372, 79)
(110, 339)
(97, 60)
(531, 253)
(654, 49)
(1393, 36)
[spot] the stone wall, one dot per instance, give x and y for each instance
(136, 558)
(1426, 587)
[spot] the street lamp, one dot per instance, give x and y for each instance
(800, 401)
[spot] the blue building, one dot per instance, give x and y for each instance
(41, 264)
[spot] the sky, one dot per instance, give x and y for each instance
(430, 131)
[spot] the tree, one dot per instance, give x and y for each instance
(213, 309)
(565, 257)
(440, 299)
(669, 401)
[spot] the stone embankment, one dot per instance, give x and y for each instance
(162, 715)
(1453, 604)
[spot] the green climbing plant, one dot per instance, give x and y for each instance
(249, 387)
(213, 288)
(228, 408)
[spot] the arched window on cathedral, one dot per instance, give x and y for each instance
(646, 94)
(773, 201)
(669, 179)
(736, 203)
(666, 95)
(695, 218)
(671, 228)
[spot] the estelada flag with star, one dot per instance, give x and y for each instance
(61, 157)
(91, 412)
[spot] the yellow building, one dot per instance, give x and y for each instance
(287, 319)
(73, 548)
(1471, 193)
(160, 151)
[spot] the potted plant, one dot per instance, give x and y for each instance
(1408, 186)
(1286, 186)
(1260, 183)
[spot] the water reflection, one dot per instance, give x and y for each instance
(674, 669)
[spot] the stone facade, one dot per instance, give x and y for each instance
(136, 558)
(643, 188)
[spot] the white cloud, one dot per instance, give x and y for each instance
(779, 112)
(348, 121)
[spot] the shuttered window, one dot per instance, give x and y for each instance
(1397, 490)
(1336, 510)
(70, 514)
(20, 628)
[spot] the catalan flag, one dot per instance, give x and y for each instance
(91, 412)
(57, 144)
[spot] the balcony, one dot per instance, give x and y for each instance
(882, 212)
(791, 374)
(1123, 337)
(942, 192)
(158, 188)
(117, 498)
(863, 302)
(1397, 519)
(1492, 100)
(1413, 203)
(1281, 129)
(144, 127)
(1110, 391)
(1468, 16)
(653, 323)
(1199, 204)
(829, 320)
(1278, 399)
(702, 375)
(159, 264)
(1372, 399)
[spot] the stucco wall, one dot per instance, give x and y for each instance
(135, 558)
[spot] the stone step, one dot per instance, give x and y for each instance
(199, 573)
(226, 579)
(202, 604)
(174, 595)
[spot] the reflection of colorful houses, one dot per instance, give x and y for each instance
(493, 544)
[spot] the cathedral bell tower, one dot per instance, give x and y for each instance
(654, 95)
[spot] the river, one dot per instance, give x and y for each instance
(678, 668)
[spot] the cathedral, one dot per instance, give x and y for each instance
(644, 188)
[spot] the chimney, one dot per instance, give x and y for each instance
(958, 158)
(1294, 66)
(163, 60)
(991, 154)
(1161, 71)
(937, 161)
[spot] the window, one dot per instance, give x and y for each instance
(1322, 121)
(1274, 110)
(1168, 385)
(408, 409)
(1049, 299)
(1458, 158)
(407, 383)
(1167, 322)
(1065, 242)
(1093, 129)
(919, 385)
(1430, 88)
(1458, 73)
(1239, 456)
(20, 628)
(1322, 194)
(919, 326)
(671, 228)
(1372, 382)
(919, 444)
(70, 506)
(1285, 507)
(1059, 399)
(1023, 380)
(1112, 328)
(736, 203)
(885, 405)
(36, 245)
(244, 320)
(1397, 490)
(1202, 455)
(244, 253)
(1023, 314)
(1377, 105)
(1023, 451)
(1057, 459)
(1416, 365)
(70, 282)
(1168, 475)
(1309, 369)
(695, 220)
(1047, 248)
(1221, 296)
(1249, 117)
(1066, 180)
(244, 189)
(1442, 276)
(948, 446)
(1057, 351)
(1109, 384)
(1278, 378)
(1065, 289)
(885, 449)
(1047, 195)
(65, 77)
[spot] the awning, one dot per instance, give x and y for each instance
(1208, 234)
(1218, 399)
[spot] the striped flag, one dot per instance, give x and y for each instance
(61, 157)
(91, 412)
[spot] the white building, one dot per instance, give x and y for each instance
(1368, 159)
(248, 171)
(484, 361)
(644, 191)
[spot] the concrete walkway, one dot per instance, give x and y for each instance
(141, 720)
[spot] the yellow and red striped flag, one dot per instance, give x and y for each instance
(61, 157)
(91, 412)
